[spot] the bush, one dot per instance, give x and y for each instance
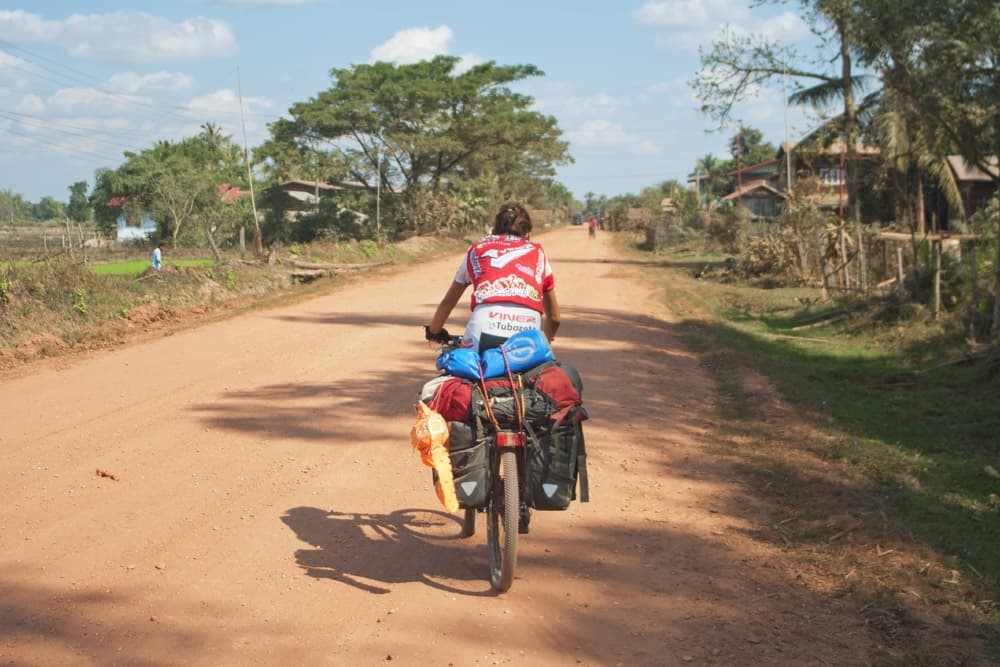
(731, 230)
(772, 257)
(699, 220)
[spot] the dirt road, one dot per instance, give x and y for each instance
(264, 507)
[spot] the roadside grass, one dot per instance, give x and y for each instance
(58, 304)
(135, 267)
(903, 422)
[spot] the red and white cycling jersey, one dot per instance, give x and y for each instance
(506, 269)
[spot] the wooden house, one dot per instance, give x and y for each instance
(975, 185)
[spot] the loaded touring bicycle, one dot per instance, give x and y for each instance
(514, 439)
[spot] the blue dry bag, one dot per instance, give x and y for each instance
(524, 350)
(462, 362)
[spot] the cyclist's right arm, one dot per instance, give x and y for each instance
(448, 303)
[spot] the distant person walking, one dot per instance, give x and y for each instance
(592, 228)
(157, 262)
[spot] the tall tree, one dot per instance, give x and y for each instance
(13, 207)
(736, 66)
(178, 184)
(421, 126)
(946, 54)
(48, 208)
(78, 208)
(749, 144)
(560, 198)
(710, 175)
(651, 198)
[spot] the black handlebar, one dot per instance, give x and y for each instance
(442, 337)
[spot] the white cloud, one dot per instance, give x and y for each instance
(646, 147)
(92, 100)
(786, 27)
(79, 124)
(568, 106)
(122, 36)
(413, 45)
(224, 103)
(16, 72)
(468, 61)
(71, 137)
(677, 91)
(690, 13)
(162, 81)
(263, 3)
(688, 24)
(599, 133)
(606, 133)
(31, 104)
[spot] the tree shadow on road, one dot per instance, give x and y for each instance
(53, 622)
(608, 347)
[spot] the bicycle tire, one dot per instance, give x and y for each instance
(468, 523)
(501, 526)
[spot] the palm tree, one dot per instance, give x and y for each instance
(911, 153)
(715, 184)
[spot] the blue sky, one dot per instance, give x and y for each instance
(83, 81)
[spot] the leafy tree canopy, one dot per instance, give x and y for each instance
(78, 208)
(48, 208)
(940, 60)
(422, 126)
(13, 207)
(749, 147)
(177, 183)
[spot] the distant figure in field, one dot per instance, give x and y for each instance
(592, 228)
(157, 262)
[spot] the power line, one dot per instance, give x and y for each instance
(62, 147)
(58, 126)
(78, 77)
(89, 80)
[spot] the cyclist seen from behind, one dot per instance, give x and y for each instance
(512, 286)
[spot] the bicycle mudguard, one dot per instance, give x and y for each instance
(510, 439)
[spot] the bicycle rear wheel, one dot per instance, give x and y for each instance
(501, 524)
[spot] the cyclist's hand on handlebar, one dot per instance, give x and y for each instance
(441, 336)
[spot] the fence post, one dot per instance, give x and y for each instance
(862, 260)
(936, 297)
(974, 276)
(899, 273)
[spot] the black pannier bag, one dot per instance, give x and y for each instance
(549, 397)
(556, 459)
(470, 466)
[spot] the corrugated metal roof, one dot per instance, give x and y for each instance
(750, 186)
(311, 185)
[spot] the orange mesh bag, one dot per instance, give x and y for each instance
(430, 437)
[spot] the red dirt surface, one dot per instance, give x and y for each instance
(244, 493)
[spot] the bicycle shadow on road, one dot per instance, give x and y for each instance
(365, 550)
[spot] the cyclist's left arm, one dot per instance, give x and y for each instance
(550, 323)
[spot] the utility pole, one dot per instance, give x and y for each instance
(739, 170)
(258, 248)
(788, 146)
(378, 195)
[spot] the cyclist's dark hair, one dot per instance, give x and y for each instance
(512, 219)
